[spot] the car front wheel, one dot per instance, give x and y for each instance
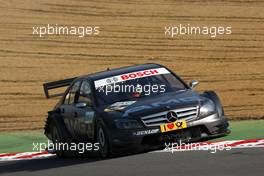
(103, 140)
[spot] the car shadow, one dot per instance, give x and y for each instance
(52, 162)
(43, 163)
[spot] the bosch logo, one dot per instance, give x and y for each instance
(139, 74)
(171, 116)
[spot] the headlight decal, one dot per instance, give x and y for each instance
(127, 124)
(207, 108)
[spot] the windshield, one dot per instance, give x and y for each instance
(136, 85)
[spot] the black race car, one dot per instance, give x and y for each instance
(132, 108)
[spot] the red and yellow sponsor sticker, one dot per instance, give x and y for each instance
(177, 125)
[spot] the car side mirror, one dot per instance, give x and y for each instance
(81, 105)
(193, 83)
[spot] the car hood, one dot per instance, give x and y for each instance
(150, 105)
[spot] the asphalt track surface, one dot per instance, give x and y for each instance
(239, 162)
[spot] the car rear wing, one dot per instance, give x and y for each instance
(56, 84)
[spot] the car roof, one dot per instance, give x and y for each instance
(122, 70)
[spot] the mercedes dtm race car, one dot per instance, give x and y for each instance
(132, 108)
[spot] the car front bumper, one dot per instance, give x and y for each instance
(148, 137)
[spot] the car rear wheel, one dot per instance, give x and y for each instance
(59, 136)
(57, 139)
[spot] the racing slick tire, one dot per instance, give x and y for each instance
(103, 140)
(59, 135)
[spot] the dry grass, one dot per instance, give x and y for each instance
(132, 32)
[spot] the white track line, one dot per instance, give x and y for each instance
(252, 143)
